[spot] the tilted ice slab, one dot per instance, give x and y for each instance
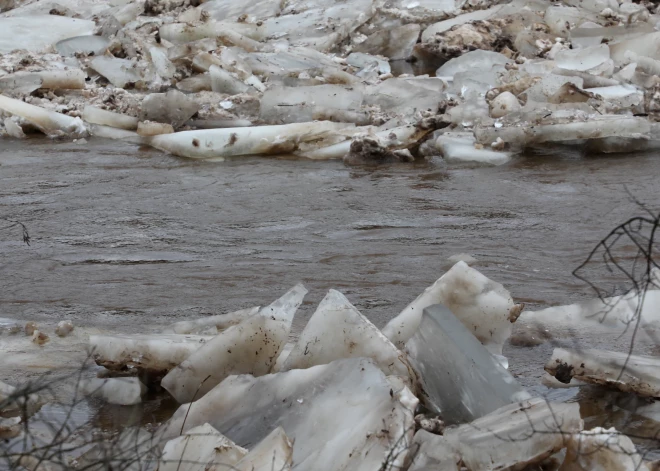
(459, 147)
(250, 347)
(363, 418)
(48, 122)
(338, 330)
(220, 322)
(200, 448)
(527, 432)
(482, 305)
(275, 452)
(432, 452)
(35, 33)
(155, 353)
(601, 448)
(459, 378)
(629, 373)
(481, 61)
(429, 33)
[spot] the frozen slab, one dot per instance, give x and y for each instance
(232, 10)
(594, 59)
(365, 420)
(460, 379)
(517, 434)
(224, 82)
(459, 147)
(155, 353)
(201, 448)
(296, 104)
(119, 72)
(406, 96)
(232, 142)
(87, 45)
(121, 391)
(482, 305)
(602, 448)
(479, 15)
(219, 322)
(394, 43)
(647, 45)
(293, 60)
(173, 108)
(164, 67)
(49, 122)
(361, 60)
(273, 452)
(628, 373)
(35, 33)
(250, 347)
(471, 61)
(94, 115)
(432, 452)
(338, 330)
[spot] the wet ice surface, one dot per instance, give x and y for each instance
(130, 240)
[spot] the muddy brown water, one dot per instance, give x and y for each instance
(132, 239)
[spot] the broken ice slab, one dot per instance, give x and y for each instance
(589, 81)
(119, 72)
(479, 15)
(517, 434)
(48, 122)
(405, 96)
(338, 330)
(595, 60)
(361, 60)
(155, 353)
(164, 67)
(561, 19)
(295, 104)
(196, 83)
(645, 64)
(549, 85)
(94, 115)
(230, 142)
(393, 43)
(519, 136)
(20, 83)
(256, 9)
(460, 147)
(484, 306)
(364, 418)
(432, 452)
(35, 33)
(293, 60)
(472, 61)
(273, 452)
(602, 448)
(13, 399)
(250, 347)
(646, 45)
(243, 35)
(220, 322)
(224, 82)
(200, 448)
(173, 108)
(26, 82)
(14, 130)
(87, 45)
(192, 48)
(151, 128)
(628, 373)
(121, 391)
(460, 379)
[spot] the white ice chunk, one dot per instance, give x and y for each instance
(121, 391)
(231, 9)
(163, 66)
(119, 72)
(173, 108)
(13, 129)
(432, 452)
(472, 61)
(200, 448)
(516, 434)
(296, 104)
(273, 452)
(394, 43)
(586, 59)
(444, 348)
(224, 82)
(88, 45)
(221, 322)
(600, 448)
(561, 19)
(338, 330)
(405, 96)
(49, 122)
(503, 104)
(629, 373)
(157, 353)
(250, 347)
(364, 418)
(34, 33)
(429, 33)
(361, 60)
(482, 305)
(94, 115)
(459, 147)
(229, 142)
(549, 85)
(647, 45)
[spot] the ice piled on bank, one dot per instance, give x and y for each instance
(516, 434)
(602, 448)
(460, 147)
(119, 72)
(121, 391)
(273, 452)
(250, 347)
(432, 452)
(629, 373)
(482, 305)
(49, 122)
(442, 348)
(338, 330)
(364, 418)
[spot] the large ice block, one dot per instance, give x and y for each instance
(460, 379)
(517, 434)
(345, 415)
(432, 452)
(393, 43)
(250, 347)
(472, 61)
(35, 33)
(49, 122)
(121, 391)
(172, 107)
(459, 147)
(600, 448)
(338, 330)
(637, 374)
(273, 452)
(119, 72)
